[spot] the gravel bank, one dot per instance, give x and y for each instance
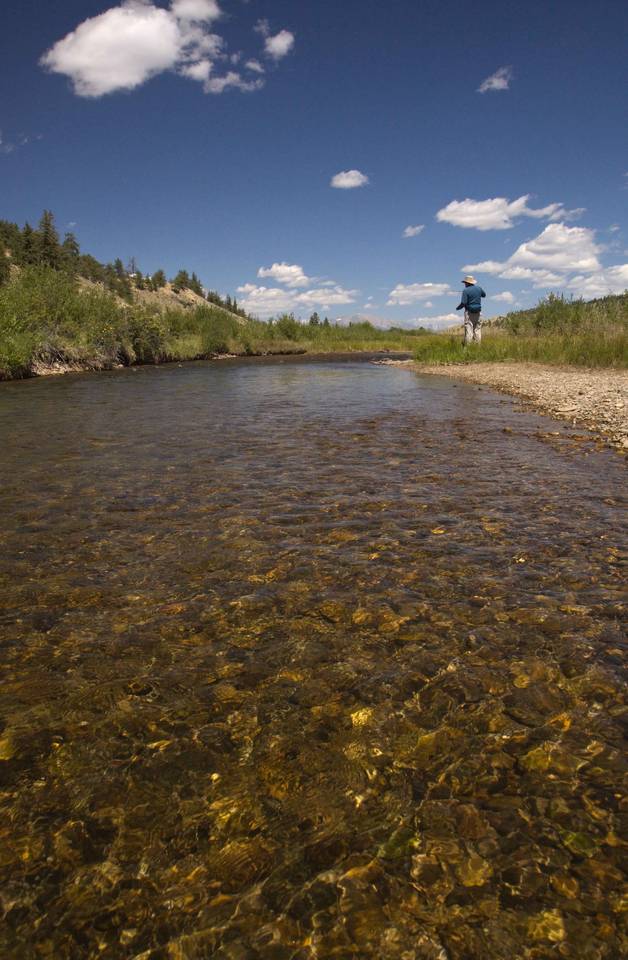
(596, 399)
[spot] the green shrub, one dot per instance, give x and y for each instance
(556, 331)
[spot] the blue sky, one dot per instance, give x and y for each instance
(208, 135)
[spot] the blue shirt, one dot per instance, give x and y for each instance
(472, 298)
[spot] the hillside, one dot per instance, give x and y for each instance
(165, 298)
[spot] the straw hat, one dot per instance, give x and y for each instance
(469, 280)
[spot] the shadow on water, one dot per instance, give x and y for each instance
(306, 661)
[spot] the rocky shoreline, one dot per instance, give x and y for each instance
(595, 399)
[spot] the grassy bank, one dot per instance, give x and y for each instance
(46, 319)
(557, 332)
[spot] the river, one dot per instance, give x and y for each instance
(306, 660)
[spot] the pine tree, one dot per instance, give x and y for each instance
(139, 280)
(70, 253)
(196, 286)
(118, 267)
(181, 281)
(5, 268)
(315, 320)
(158, 279)
(28, 248)
(90, 268)
(10, 238)
(48, 246)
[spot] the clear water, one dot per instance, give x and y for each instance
(307, 660)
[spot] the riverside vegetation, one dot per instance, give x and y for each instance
(61, 309)
(557, 331)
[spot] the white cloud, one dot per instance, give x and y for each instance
(197, 71)
(267, 301)
(290, 297)
(117, 50)
(499, 213)
(279, 45)
(349, 180)
(563, 258)
(126, 45)
(290, 274)
(500, 80)
(413, 231)
(505, 297)
(600, 284)
(231, 81)
(196, 10)
(405, 294)
(558, 248)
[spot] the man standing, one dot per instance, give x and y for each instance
(471, 303)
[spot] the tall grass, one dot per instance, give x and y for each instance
(45, 319)
(557, 332)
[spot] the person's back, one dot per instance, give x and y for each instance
(471, 303)
(472, 297)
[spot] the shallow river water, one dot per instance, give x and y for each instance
(307, 660)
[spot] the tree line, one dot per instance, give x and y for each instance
(28, 246)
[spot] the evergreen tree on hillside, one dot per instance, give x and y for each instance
(315, 320)
(70, 253)
(158, 279)
(181, 281)
(48, 246)
(90, 268)
(28, 248)
(196, 286)
(116, 279)
(5, 268)
(139, 280)
(10, 238)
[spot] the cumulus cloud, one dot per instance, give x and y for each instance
(500, 80)
(196, 10)
(233, 81)
(275, 46)
(197, 71)
(499, 213)
(406, 293)
(118, 50)
(290, 297)
(279, 45)
(349, 180)
(600, 284)
(126, 45)
(561, 257)
(266, 301)
(290, 274)
(413, 231)
(505, 297)
(556, 251)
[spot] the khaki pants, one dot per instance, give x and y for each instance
(472, 327)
